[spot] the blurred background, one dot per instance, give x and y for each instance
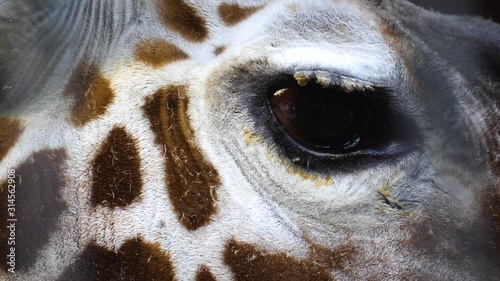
(484, 8)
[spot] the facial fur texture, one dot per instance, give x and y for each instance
(145, 146)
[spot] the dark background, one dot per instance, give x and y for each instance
(486, 8)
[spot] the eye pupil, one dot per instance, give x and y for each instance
(327, 119)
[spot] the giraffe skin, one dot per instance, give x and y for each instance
(145, 144)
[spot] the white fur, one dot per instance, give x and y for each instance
(260, 202)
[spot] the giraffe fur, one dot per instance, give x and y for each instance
(145, 146)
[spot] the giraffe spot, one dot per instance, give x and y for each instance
(249, 263)
(91, 92)
(191, 180)
(183, 19)
(158, 53)
(219, 50)
(10, 131)
(38, 202)
(116, 173)
(204, 274)
(232, 14)
(135, 260)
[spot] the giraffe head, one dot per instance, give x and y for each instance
(316, 140)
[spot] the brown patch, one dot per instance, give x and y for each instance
(135, 260)
(191, 180)
(38, 202)
(219, 50)
(182, 18)
(10, 131)
(116, 171)
(204, 274)
(232, 14)
(92, 93)
(249, 263)
(158, 53)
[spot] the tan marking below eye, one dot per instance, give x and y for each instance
(158, 53)
(293, 169)
(251, 137)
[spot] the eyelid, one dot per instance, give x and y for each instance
(378, 65)
(328, 79)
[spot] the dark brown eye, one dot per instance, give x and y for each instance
(328, 119)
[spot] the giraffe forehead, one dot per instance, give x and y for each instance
(343, 36)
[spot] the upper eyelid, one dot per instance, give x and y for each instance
(328, 78)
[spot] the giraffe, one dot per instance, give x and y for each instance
(247, 140)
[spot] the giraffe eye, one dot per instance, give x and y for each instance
(334, 118)
(325, 119)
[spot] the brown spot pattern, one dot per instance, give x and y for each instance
(232, 14)
(191, 180)
(219, 50)
(135, 260)
(158, 53)
(92, 93)
(116, 173)
(204, 274)
(10, 131)
(249, 263)
(182, 18)
(37, 184)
